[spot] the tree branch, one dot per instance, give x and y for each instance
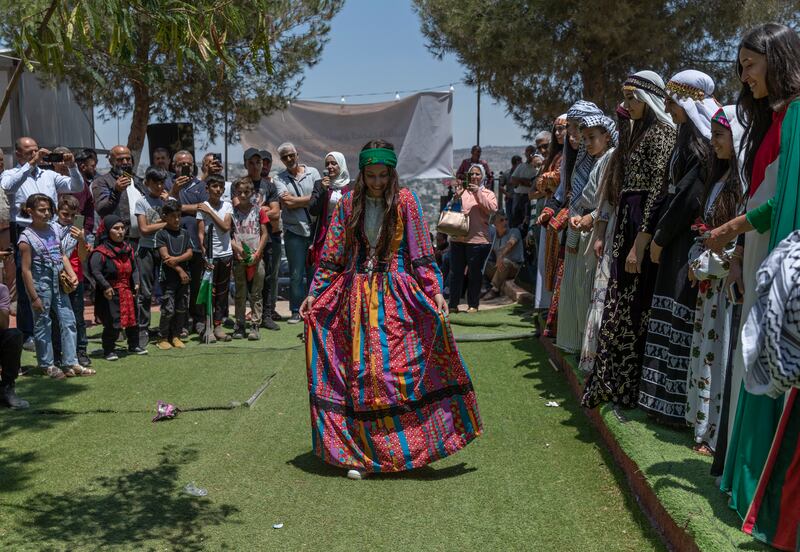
(12, 83)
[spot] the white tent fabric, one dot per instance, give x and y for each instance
(420, 127)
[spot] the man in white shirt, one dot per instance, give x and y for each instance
(19, 183)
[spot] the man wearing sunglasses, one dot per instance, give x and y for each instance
(294, 185)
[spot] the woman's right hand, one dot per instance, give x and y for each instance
(109, 293)
(326, 182)
(599, 246)
(37, 305)
(633, 262)
(305, 307)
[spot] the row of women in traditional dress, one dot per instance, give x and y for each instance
(657, 224)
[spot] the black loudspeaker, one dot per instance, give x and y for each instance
(173, 136)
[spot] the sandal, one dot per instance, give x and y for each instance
(54, 372)
(703, 449)
(79, 371)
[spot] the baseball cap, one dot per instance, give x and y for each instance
(250, 152)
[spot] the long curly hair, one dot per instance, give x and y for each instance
(354, 229)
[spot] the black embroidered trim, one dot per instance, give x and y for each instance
(372, 415)
(423, 261)
(327, 265)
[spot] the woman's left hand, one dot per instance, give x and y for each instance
(473, 188)
(441, 304)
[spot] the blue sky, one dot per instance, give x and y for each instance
(377, 46)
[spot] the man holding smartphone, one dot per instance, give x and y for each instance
(19, 183)
(110, 191)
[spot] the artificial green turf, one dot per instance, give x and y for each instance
(75, 479)
(680, 477)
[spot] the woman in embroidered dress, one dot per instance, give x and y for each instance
(662, 393)
(760, 473)
(618, 364)
(546, 185)
(387, 387)
(113, 269)
(709, 272)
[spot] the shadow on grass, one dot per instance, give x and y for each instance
(694, 478)
(42, 393)
(143, 509)
(310, 463)
(15, 469)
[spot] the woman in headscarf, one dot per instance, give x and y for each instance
(645, 156)
(471, 251)
(601, 220)
(710, 348)
(662, 393)
(555, 215)
(326, 194)
(388, 389)
(549, 245)
(114, 271)
(573, 304)
(761, 472)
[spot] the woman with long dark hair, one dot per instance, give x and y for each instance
(768, 106)
(723, 200)
(618, 365)
(546, 185)
(388, 389)
(662, 393)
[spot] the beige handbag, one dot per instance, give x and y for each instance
(453, 223)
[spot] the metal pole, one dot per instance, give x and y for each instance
(478, 139)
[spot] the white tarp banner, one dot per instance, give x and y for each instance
(419, 126)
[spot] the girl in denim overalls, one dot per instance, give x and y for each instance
(42, 262)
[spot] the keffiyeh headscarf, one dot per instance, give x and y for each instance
(594, 121)
(771, 333)
(648, 87)
(584, 162)
(581, 109)
(693, 91)
(343, 179)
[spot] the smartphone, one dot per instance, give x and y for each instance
(77, 222)
(53, 158)
(186, 170)
(217, 157)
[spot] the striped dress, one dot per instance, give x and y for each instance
(388, 389)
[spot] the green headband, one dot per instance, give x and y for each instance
(377, 156)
